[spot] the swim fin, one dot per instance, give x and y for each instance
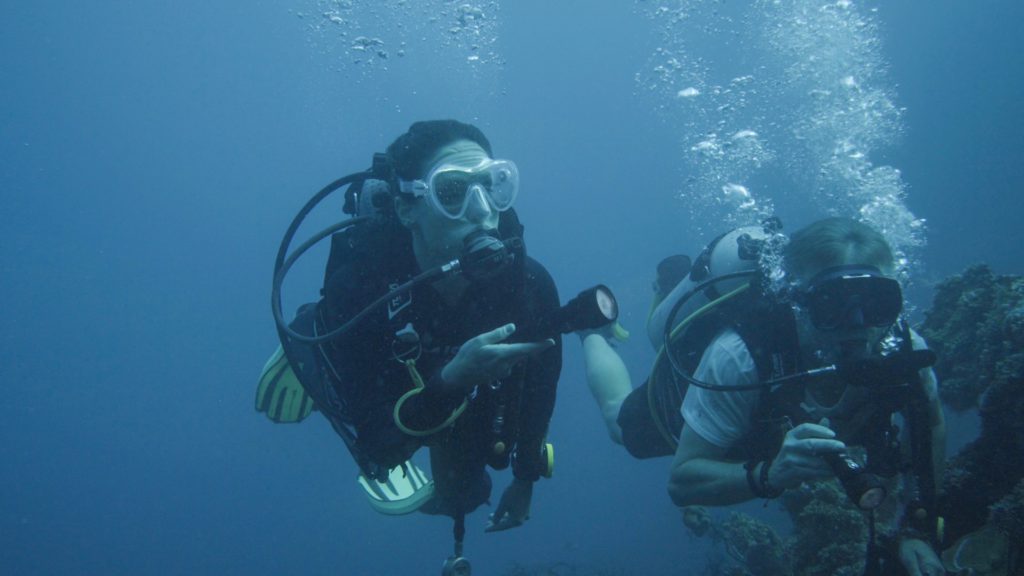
(280, 394)
(405, 491)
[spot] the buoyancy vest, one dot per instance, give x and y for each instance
(366, 261)
(768, 329)
(863, 415)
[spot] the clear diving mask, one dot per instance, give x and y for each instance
(450, 188)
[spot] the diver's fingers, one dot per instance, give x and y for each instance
(497, 335)
(520, 349)
(808, 430)
(822, 446)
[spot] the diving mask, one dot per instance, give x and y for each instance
(451, 187)
(845, 297)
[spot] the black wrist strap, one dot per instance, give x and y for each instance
(760, 486)
(751, 483)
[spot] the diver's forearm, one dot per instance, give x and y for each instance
(703, 482)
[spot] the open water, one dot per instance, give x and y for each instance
(152, 154)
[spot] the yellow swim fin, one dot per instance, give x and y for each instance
(280, 394)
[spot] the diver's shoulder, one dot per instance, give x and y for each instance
(533, 268)
(537, 278)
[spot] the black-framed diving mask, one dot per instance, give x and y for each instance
(846, 297)
(450, 187)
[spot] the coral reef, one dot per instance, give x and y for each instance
(829, 537)
(757, 544)
(976, 326)
(747, 546)
(981, 553)
(821, 511)
(1007, 515)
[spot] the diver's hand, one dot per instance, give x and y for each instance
(484, 358)
(612, 332)
(799, 459)
(514, 507)
(919, 559)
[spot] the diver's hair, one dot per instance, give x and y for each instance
(834, 241)
(411, 151)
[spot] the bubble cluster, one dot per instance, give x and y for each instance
(845, 113)
(708, 103)
(797, 89)
(770, 263)
(474, 32)
(365, 37)
(722, 165)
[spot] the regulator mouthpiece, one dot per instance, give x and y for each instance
(484, 255)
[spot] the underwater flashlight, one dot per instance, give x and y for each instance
(862, 487)
(592, 308)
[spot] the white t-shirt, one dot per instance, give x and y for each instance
(723, 418)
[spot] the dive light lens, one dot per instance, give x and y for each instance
(606, 302)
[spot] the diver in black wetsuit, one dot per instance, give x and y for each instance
(466, 364)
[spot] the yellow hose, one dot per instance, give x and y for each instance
(419, 387)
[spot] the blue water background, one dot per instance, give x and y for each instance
(151, 155)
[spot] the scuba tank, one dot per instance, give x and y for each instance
(735, 253)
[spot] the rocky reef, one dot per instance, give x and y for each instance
(743, 545)
(977, 328)
(829, 537)
(821, 512)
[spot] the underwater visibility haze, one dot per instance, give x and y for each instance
(153, 154)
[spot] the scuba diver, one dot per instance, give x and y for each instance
(766, 379)
(434, 329)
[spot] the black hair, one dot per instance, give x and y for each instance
(411, 151)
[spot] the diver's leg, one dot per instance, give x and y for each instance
(461, 484)
(607, 379)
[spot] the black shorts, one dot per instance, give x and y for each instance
(640, 434)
